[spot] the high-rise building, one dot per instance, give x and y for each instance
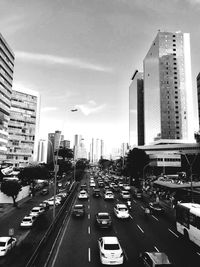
(79, 147)
(65, 144)
(198, 96)
(168, 105)
(136, 110)
(42, 151)
(23, 127)
(6, 79)
(54, 142)
(102, 149)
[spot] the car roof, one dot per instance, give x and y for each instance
(109, 192)
(103, 213)
(78, 206)
(4, 238)
(36, 208)
(28, 217)
(121, 206)
(110, 239)
(159, 257)
(82, 191)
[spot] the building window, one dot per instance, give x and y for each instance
(174, 49)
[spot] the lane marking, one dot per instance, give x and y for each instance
(156, 249)
(155, 218)
(88, 216)
(89, 230)
(140, 228)
(198, 253)
(131, 216)
(125, 255)
(173, 233)
(134, 201)
(88, 206)
(142, 207)
(89, 255)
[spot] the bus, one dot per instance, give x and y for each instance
(188, 221)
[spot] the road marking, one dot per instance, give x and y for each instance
(173, 233)
(88, 206)
(156, 249)
(134, 201)
(198, 253)
(88, 216)
(89, 255)
(140, 228)
(155, 218)
(88, 229)
(142, 207)
(131, 216)
(125, 255)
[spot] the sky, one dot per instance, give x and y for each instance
(82, 54)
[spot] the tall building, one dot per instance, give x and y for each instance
(54, 142)
(102, 152)
(42, 151)
(136, 110)
(168, 105)
(198, 96)
(79, 147)
(6, 78)
(23, 127)
(65, 144)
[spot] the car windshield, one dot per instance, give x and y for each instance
(122, 209)
(35, 210)
(103, 217)
(26, 220)
(78, 208)
(111, 246)
(2, 244)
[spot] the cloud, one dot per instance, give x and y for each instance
(12, 24)
(56, 60)
(47, 109)
(90, 107)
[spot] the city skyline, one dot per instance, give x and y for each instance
(59, 53)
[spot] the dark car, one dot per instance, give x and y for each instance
(44, 192)
(138, 193)
(155, 259)
(78, 210)
(96, 192)
(103, 220)
(83, 187)
(155, 207)
(45, 205)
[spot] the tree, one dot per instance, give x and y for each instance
(136, 160)
(65, 153)
(11, 189)
(105, 163)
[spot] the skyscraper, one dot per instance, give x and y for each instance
(198, 97)
(54, 142)
(168, 105)
(42, 151)
(136, 110)
(23, 127)
(6, 79)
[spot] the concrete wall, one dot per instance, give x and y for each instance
(22, 194)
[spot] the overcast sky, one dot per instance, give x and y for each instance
(83, 53)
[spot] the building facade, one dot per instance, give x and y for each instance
(54, 142)
(168, 105)
(6, 79)
(23, 128)
(136, 110)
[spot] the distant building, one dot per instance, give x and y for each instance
(198, 96)
(65, 144)
(42, 151)
(54, 142)
(136, 110)
(168, 105)
(23, 127)
(6, 79)
(79, 147)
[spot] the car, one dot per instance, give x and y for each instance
(155, 259)
(126, 187)
(45, 205)
(83, 187)
(92, 184)
(155, 207)
(103, 220)
(121, 211)
(110, 250)
(106, 188)
(6, 244)
(125, 195)
(138, 193)
(96, 192)
(109, 195)
(101, 184)
(115, 188)
(78, 210)
(36, 211)
(28, 222)
(50, 201)
(44, 192)
(83, 195)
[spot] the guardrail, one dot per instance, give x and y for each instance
(36, 253)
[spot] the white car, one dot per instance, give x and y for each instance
(125, 195)
(50, 201)
(121, 211)
(28, 221)
(109, 195)
(110, 250)
(36, 211)
(126, 187)
(6, 244)
(92, 184)
(83, 195)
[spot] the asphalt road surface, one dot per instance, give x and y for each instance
(77, 245)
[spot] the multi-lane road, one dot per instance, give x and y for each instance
(77, 245)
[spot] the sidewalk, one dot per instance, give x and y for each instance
(6, 208)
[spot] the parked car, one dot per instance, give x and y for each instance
(109, 195)
(83, 194)
(103, 220)
(6, 244)
(27, 222)
(78, 210)
(155, 259)
(156, 208)
(110, 250)
(121, 211)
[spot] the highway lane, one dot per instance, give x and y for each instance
(78, 245)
